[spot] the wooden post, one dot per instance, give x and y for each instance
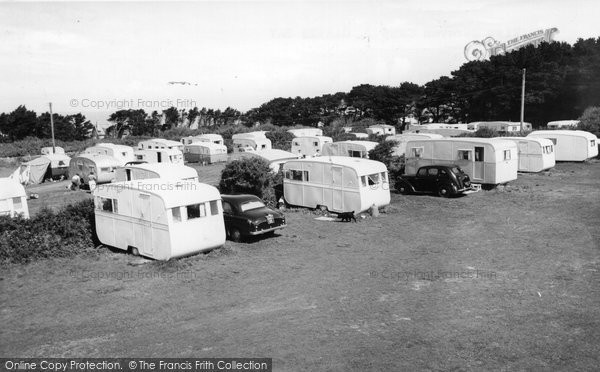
(523, 100)
(52, 129)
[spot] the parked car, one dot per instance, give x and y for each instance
(444, 180)
(247, 215)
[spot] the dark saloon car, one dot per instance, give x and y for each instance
(444, 180)
(247, 215)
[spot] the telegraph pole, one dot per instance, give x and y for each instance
(52, 129)
(523, 100)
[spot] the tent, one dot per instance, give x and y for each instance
(33, 172)
(13, 200)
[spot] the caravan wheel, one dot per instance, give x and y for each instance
(134, 251)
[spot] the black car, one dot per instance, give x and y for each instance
(444, 180)
(247, 215)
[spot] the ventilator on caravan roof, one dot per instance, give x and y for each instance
(164, 171)
(355, 149)
(485, 160)
(535, 154)
(337, 183)
(159, 219)
(13, 199)
(570, 145)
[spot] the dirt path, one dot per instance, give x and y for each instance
(500, 279)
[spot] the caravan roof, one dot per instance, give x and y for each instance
(209, 145)
(173, 193)
(10, 188)
(361, 166)
(564, 132)
(250, 135)
(496, 143)
(168, 171)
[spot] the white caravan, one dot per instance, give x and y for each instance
(570, 145)
(485, 160)
(123, 153)
(501, 126)
(103, 167)
(165, 171)
(355, 149)
(338, 183)
(402, 139)
(160, 143)
(209, 137)
(382, 130)
(563, 124)
(13, 199)
(276, 158)
(309, 145)
(172, 156)
(205, 152)
(159, 219)
(535, 154)
(306, 132)
(48, 150)
(252, 141)
(446, 130)
(359, 135)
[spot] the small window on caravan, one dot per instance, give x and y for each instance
(140, 157)
(17, 203)
(105, 169)
(363, 180)
(316, 144)
(384, 177)
(417, 152)
(196, 211)
(61, 163)
(373, 179)
(295, 175)
(80, 165)
(506, 154)
(214, 207)
(593, 143)
(553, 140)
(263, 147)
(464, 154)
(296, 143)
(176, 212)
(107, 205)
(355, 154)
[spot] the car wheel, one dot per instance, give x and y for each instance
(403, 188)
(235, 235)
(444, 191)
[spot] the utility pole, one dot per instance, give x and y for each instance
(523, 100)
(52, 129)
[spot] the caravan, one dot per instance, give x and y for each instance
(306, 132)
(485, 160)
(570, 145)
(382, 130)
(309, 145)
(124, 154)
(49, 150)
(165, 171)
(563, 124)
(159, 219)
(402, 139)
(355, 149)
(501, 126)
(160, 143)
(535, 154)
(13, 199)
(172, 156)
(338, 183)
(443, 129)
(205, 152)
(276, 158)
(214, 138)
(102, 167)
(252, 141)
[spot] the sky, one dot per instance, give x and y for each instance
(98, 57)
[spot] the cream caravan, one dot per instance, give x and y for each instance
(570, 145)
(159, 219)
(535, 154)
(164, 171)
(276, 158)
(382, 130)
(485, 160)
(160, 143)
(205, 152)
(123, 153)
(102, 167)
(13, 199)
(502, 126)
(50, 150)
(309, 145)
(306, 132)
(355, 149)
(562, 124)
(252, 141)
(172, 156)
(402, 139)
(338, 183)
(213, 138)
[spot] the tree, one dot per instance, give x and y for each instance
(249, 176)
(590, 120)
(19, 124)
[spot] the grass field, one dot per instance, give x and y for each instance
(506, 279)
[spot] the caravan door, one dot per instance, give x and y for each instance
(478, 165)
(143, 225)
(523, 158)
(336, 185)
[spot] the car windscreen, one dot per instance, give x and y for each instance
(456, 170)
(254, 204)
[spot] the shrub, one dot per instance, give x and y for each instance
(66, 233)
(281, 139)
(590, 120)
(249, 176)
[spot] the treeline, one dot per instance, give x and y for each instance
(562, 80)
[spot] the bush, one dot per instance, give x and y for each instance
(250, 176)
(66, 233)
(281, 139)
(590, 120)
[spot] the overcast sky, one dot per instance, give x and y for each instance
(244, 53)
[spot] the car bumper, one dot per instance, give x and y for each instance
(258, 232)
(468, 190)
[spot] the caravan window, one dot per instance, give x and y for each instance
(214, 207)
(80, 165)
(296, 143)
(296, 175)
(61, 163)
(196, 211)
(373, 179)
(17, 203)
(107, 205)
(363, 180)
(553, 140)
(593, 143)
(417, 152)
(176, 212)
(105, 169)
(316, 144)
(506, 154)
(464, 154)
